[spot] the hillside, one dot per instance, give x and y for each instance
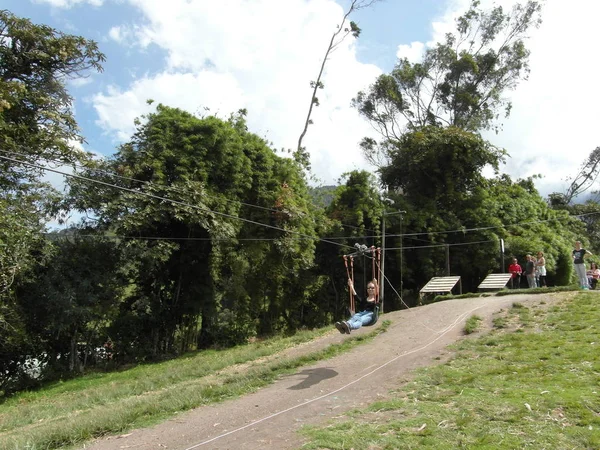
(315, 394)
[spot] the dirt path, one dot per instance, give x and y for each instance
(316, 394)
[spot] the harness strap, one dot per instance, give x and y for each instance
(350, 273)
(376, 270)
(378, 278)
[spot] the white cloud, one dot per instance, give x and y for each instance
(259, 55)
(553, 123)
(128, 35)
(552, 126)
(69, 3)
(117, 109)
(116, 34)
(81, 81)
(412, 52)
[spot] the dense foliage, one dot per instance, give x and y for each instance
(36, 122)
(197, 234)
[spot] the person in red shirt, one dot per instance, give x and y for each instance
(515, 269)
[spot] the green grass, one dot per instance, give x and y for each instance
(442, 297)
(472, 324)
(71, 412)
(545, 290)
(534, 382)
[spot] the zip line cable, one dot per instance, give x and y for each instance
(175, 202)
(441, 245)
(162, 238)
(151, 183)
(403, 235)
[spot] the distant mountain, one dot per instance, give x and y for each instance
(322, 195)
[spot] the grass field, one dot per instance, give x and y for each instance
(533, 382)
(69, 413)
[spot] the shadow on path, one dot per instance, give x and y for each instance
(313, 376)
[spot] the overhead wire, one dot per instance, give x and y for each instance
(175, 202)
(440, 245)
(468, 230)
(152, 183)
(324, 239)
(403, 235)
(122, 177)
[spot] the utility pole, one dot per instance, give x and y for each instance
(382, 284)
(382, 275)
(401, 255)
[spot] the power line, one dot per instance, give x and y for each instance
(409, 236)
(151, 183)
(468, 230)
(403, 235)
(163, 238)
(160, 238)
(121, 177)
(175, 202)
(442, 245)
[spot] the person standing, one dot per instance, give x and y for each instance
(541, 268)
(530, 271)
(579, 254)
(516, 270)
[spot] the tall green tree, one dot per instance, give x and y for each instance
(69, 299)
(36, 122)
(461, 82)
(36, 116)
(230, 256)
(430, 154)
(440, 167)
(437, 172)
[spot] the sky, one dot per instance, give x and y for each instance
(216, 57)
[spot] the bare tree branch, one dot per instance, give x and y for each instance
(333, 43)
(586, 177)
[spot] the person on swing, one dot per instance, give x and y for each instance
(367, 309)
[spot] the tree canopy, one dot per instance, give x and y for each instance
(197, 234)
(36, 122)
(461, 82)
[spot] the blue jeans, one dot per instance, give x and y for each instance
(359, 319)
(581, 273)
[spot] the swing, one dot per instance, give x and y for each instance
(376, 259)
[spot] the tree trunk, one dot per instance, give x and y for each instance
(73, 352)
